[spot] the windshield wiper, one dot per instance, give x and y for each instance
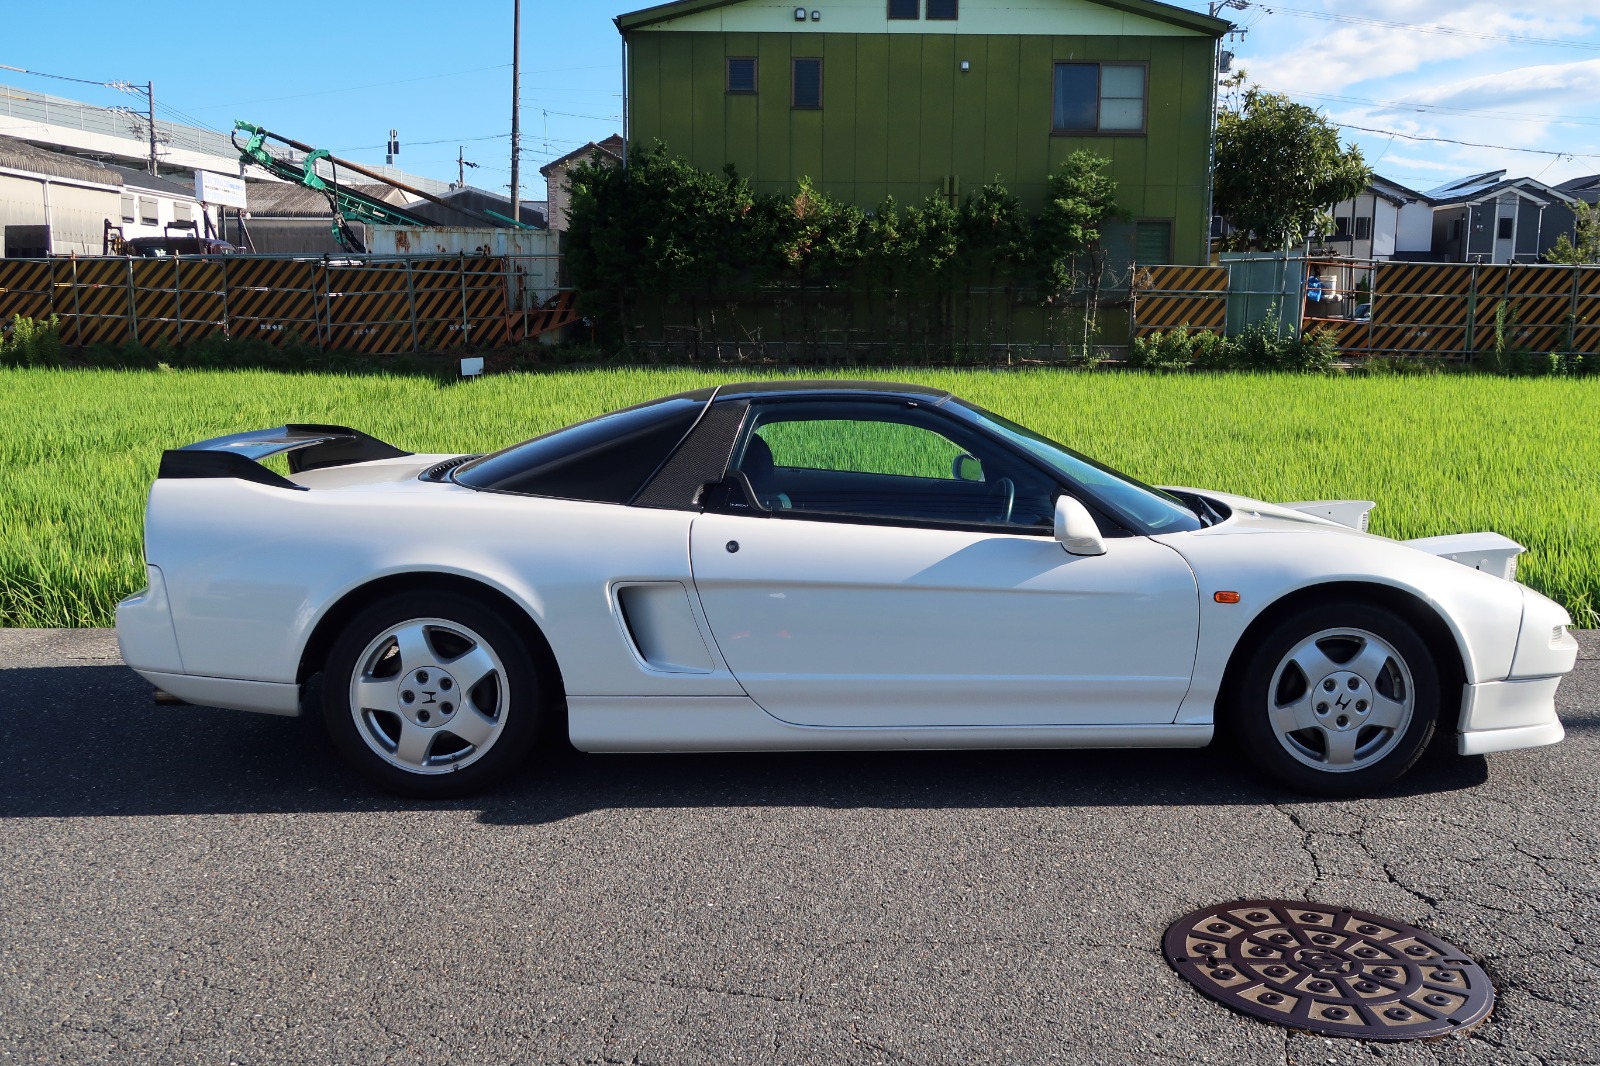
(1207, 514)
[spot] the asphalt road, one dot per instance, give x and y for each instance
(184, 885)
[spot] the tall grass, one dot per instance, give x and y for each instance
(78, 450)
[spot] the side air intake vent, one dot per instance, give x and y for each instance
(439, 471)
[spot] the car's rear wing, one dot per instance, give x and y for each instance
(308, 447)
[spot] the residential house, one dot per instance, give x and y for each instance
(907, 98)
(1586, 188)
(1489, 218)
(609, 151)
(1385, 221)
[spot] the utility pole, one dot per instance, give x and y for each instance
(461, 167)
(150, 98)
(516, 109)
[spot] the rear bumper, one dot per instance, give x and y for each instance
(1506, 715)
(145, 636)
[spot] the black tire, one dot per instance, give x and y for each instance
(1364, 725)
(419, 732)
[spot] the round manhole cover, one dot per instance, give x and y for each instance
(1329, 970)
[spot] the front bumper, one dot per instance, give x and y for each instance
(1520, 711)
(1506, 715)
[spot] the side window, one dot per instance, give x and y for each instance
(861, 446)
(1152, 240)
(807, 85)
(741, 75)
(887, 462)
(1099, 98)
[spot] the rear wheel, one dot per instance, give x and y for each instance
(1340, 699)
(431, 695)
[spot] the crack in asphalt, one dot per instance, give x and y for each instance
(1307, 847)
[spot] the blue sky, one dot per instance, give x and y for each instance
(339, 76)
(1505, 76)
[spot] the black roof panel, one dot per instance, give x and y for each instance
(788, 387)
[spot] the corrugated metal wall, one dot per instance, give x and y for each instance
(900, 117)
(76, 215)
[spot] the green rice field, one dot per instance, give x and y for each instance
(79, 448)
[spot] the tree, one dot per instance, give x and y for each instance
(1080, 201)
(1587, 247)
(1279, 166)
(660, 228)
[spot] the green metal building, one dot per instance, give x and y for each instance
(871, 98)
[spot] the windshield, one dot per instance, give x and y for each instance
(1147, 509)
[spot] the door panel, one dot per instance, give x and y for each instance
(839, 624)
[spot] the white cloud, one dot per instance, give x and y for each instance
(1506, 95)
(1559, 85)
(1335, 55)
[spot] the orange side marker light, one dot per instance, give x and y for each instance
(1225, 597)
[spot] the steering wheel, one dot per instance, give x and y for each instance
(1005, 489)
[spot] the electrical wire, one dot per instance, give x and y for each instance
(399, 81)
(63, 77)
(1444, 109)
(1468, 144)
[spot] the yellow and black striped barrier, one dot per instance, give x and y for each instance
(372, 306)
(1164, 297)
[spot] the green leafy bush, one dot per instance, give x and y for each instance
(31, 342)
(1313, 352)
(1174, 349)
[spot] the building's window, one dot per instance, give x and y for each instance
(148, 215)
(1363, 228)
(1341, 226)
(1099, 98)
(1456, 226)
(905, 9)
(807, 84)
(943, 10)
(1506, 225)
(1152, 241)
(127, 209)
(742, 75)
(182, 212)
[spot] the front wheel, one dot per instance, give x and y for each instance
(431, 695)
(1342, 698)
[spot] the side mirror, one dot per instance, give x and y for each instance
(966, 468)
(1076, 529)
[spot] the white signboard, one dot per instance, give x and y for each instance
(219, 189)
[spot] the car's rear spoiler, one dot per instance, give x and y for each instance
(309, 447)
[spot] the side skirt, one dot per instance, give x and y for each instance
(736, 723)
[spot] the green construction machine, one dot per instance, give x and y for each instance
(348, 204)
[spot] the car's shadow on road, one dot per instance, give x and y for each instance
(86, 741)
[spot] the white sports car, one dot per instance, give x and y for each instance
(816, 565)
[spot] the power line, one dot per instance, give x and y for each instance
(1406, 105)
(596, 118)
(1434, 27)
(1468, 144)
(398, 81)
(60, 77)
